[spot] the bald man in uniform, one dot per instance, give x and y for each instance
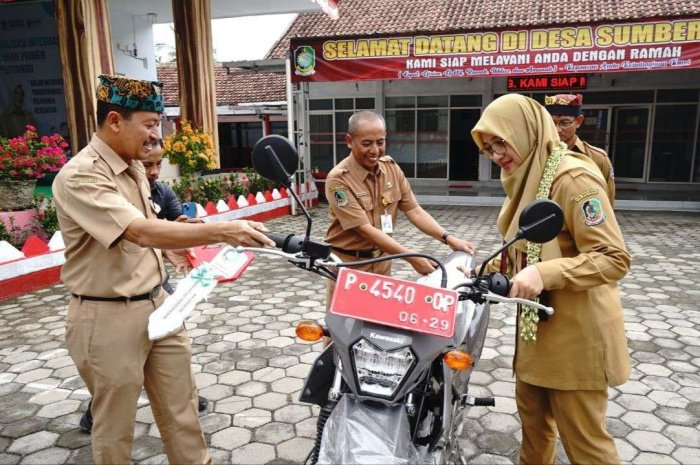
(114, 271)
(365, 192)
(566, 113)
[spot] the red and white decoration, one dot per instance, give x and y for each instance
(330, 7)
(38, 264)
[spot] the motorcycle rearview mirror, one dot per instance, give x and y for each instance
(275, 158)
(539, 222)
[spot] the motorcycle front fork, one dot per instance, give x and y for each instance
(335, 391)
(334, 395)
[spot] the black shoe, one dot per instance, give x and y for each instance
(86, 420)
(203, 402)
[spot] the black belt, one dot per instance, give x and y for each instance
(147, 296)
(371, 253)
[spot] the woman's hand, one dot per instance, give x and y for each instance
(527, 284)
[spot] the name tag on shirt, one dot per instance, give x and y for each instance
(387, 224)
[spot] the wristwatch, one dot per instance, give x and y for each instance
(444, 236)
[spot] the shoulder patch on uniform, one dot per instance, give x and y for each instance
(340, 196)
(593, 212)
(585, 194)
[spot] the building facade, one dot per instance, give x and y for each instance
(432, 73)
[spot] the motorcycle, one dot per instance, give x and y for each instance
(392, 386)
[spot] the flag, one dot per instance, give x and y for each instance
(330, 7)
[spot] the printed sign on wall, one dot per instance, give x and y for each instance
(596, 48)
(31, 85)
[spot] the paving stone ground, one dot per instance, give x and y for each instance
(251, 367)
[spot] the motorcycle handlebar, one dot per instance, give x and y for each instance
(495, 287)
(290, 243)
(277, 239)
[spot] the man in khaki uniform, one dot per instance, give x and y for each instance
(365, 191)
(114, 272)
(566, 113)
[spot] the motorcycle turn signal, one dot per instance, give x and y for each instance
(458, 360)
(310, 331)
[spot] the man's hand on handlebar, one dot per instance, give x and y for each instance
(456, 243)
(527, 284)
(246, 233)
(422, 265)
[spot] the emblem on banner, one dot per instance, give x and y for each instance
(304, 61)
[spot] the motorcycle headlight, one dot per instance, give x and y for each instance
(379, 372)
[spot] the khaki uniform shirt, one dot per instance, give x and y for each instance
(356, 197)
(601, 159)
(583, 345)
(98, 195)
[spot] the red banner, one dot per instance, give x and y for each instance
(598, 48)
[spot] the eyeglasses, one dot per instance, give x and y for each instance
(498, 147)
(565, 123)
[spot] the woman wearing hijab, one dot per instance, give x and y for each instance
(563, 365)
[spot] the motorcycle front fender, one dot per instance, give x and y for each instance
(357, 432)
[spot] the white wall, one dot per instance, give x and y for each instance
(123, 27)
(123, 34)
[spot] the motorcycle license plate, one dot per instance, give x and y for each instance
(395, 302)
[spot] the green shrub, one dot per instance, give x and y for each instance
(46, 216)
(4, 234)
(234, 187)
(213, 189)
(184, 188)
(201, 190)
(257, 183)
(13, 234)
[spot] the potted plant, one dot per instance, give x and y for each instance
(23, 160)
(320, 181)
(192, 149)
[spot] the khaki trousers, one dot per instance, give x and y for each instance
(578, 416)
(108, 342)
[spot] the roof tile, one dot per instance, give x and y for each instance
(388, 17)
(232, 88)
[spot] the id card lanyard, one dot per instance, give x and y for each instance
(387, 223)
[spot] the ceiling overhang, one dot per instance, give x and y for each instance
(219, 8)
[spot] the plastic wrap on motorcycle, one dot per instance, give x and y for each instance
(361, 433)
(320, 379)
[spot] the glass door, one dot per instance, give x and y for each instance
(628, 142)
(321, 141)
(464, 154)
